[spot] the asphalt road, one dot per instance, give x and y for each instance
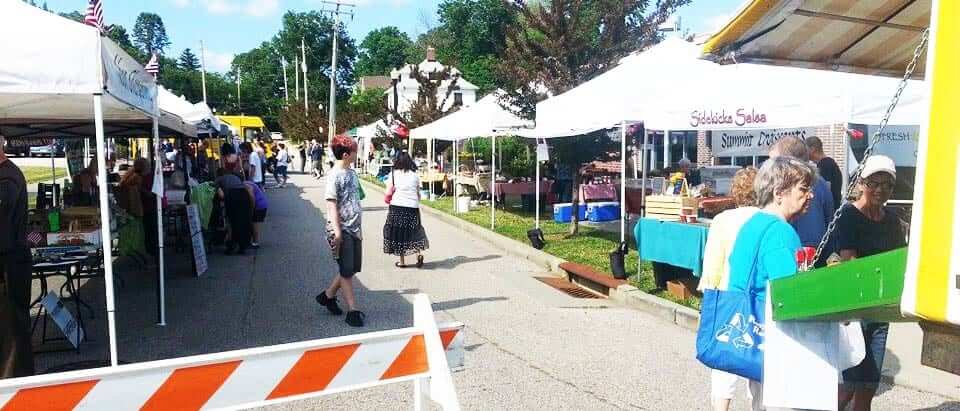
(529, 346)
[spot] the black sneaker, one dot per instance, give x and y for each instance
(355, 318)
(330, 303)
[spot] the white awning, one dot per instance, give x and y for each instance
(481, 119)
(51, 70)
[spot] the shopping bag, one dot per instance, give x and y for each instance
(730, 337)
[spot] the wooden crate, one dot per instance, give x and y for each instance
(669, 208)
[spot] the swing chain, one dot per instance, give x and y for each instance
(854, 179)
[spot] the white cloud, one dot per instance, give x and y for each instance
(219, 62)
(715, 23)
(181, 3)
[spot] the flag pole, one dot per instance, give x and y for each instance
(296, 76)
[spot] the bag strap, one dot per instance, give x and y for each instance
(756, 258)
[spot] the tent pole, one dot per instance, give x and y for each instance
(623, 181)
(493, 182)
(666, 149)
(456, 176)
(105, 234)
(158, 174)
(536, 166)
(643, 191)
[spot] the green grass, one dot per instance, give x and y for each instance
(35, 174)
(590, 246)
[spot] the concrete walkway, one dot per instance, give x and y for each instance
(528, 346)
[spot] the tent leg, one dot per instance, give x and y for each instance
(623, 181)
(456, 176)
(666, 149)
(493, 182)
(105, 234)
(536, 165)
(161, 269)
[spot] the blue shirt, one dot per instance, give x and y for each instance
(812, 225)
(766, 247)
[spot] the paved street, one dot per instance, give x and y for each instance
(528, 346)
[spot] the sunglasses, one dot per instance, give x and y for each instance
(873, 185)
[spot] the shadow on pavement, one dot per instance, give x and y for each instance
(947, 406)
(454, 262)
(454, 304)
(263, 298)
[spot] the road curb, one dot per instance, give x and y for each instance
(499, 241)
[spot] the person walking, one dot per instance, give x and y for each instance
(828, 169)
(316, 157)
(344, 230)
(403, 233)
(811, 225)
(302, 152)
(16, 352)
(255, 171)
(238, 203)
(282, 162)
(129, 198)
(868, 227)
(260, 205)
(716, 270)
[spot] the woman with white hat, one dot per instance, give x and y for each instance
(867, 227)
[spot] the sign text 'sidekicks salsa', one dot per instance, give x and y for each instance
(741, 117)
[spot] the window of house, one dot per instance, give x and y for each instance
(458, 99)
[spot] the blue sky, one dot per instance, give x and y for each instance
(233, 26)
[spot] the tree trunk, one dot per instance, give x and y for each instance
(575, 203)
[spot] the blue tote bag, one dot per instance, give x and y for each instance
(730, 337)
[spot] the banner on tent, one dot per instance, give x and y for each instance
(900, 143)
(126, 79)
(749, 143)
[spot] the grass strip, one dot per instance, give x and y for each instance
(590, 246)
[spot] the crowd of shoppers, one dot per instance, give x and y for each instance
(788, 205)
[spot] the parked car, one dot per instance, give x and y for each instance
(49, 150)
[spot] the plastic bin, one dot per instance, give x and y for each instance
(563, 212)
(603, 211)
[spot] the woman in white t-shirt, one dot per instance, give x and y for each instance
(403, 234)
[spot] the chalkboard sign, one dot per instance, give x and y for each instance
(196, 239)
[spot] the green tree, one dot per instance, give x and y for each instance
(560, 44)
(383, 50)
(189, 61)
(73, 15)
(119, 35)
(150, 34)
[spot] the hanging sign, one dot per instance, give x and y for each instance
(900, 143)
(126, 79)
(74, 151)
(543, 152)
(749, 143)
(64, 320)
(196, 239)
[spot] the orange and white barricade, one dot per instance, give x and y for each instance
(260, 376)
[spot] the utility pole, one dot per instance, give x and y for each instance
(296, 74)
(336, 12)
(306, 90)
(203, 71)
(238, 92)
(286, 91)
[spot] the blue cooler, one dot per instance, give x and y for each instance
(603, 211)
(563, 212)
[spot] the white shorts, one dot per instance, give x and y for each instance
(723, 385)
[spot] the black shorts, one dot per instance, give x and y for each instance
(259, 215)
(350, 259)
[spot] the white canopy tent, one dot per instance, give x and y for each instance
(668, 87)
(61, 71)
(485, 118)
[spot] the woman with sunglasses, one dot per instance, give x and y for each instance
(867, 227)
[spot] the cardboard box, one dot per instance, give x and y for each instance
(683, 288)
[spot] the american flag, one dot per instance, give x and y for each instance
(94, 15)
(153, 66)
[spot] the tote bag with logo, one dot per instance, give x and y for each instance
(730, 337)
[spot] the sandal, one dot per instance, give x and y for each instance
(419, 261)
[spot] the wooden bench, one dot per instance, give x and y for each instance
(591, 279)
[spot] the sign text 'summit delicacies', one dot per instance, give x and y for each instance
(741, 117)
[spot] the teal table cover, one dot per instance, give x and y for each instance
(677, 244)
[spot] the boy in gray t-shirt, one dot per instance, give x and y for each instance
(343, 229)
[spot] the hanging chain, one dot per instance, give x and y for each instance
(854, 179)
